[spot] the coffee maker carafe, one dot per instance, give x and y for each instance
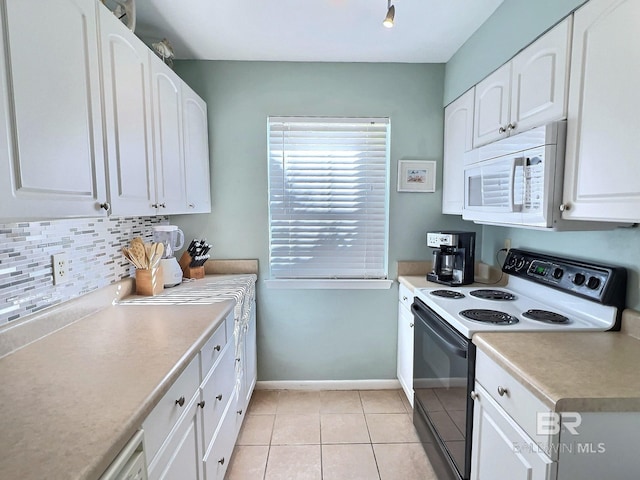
(453, 257)
(173, 239)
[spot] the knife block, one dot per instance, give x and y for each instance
(187, 271)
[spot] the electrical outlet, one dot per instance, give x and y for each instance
(507, 243)
(60, 268)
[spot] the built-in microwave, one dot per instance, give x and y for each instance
(517, 180)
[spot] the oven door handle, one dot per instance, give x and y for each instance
(449, 341)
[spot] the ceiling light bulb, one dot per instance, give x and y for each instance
(388, 21)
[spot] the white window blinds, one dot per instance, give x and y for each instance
(328, 197)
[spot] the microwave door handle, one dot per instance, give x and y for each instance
(517, 162)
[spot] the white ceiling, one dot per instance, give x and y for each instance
(425, 31)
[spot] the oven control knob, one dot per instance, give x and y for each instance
(593, 283)
(579, 279)
(557, 273)
(520, 263)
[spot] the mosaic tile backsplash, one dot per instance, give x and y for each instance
(92, 246)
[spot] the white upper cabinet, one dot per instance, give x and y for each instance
(602, 169)
(129, 126)
(458, 139)
(52, 161)
(196, 151)
(491, 113)
(526, 92)
(169, 152)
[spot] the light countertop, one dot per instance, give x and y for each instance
(571, 371)
(72, 399)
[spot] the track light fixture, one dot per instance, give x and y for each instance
(391, 12)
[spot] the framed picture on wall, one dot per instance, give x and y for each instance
(416, 176)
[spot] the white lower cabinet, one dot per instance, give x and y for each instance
(505, 441)
(191, 432)
(405, 342)
(501, 449)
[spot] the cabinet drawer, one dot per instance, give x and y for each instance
(405, 296)
(216, 392)
(217, 456)
(518, 402)
(212, 350)
(168, 410)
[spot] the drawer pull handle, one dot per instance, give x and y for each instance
(239, 412)
(217, 348)
(219, 397)
(201, 404)
(474, 395)
(180, 401)
(503, 391)
(221, 461)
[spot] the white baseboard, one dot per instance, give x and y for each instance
(328, 385)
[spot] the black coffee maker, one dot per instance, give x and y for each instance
(453, 257)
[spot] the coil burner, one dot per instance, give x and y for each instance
(489, 294)
(546, 316)
(493, 317)
(447, 294)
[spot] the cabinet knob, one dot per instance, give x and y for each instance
(237, 359)
(106, 206)
(239, 412)
(162, 205)
(154, 205)
(564, 207)
(217, 348)
(411, 325)
(503, 391)
(474, 395)
(219, 397)
(404, 299)
(192, 205)
(221, 461)
(180, 401)
(502, 130)
(201, 404)
(511, 126)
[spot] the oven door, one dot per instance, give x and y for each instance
(443, 371)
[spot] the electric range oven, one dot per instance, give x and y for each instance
(543, 293)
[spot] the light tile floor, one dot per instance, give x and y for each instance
(329, 435)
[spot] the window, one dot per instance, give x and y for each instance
(328, 197)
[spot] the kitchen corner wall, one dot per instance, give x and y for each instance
(93, 248)
(316, 334)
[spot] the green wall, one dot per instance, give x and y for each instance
(515, 24)
(316, 334)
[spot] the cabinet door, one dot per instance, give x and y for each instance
(491, 110)
(196, 152)
(539, 80)
(127, 108)
(53, 161)
(182, 453)
(458, 139)
(602, 167)
(405, 351)
(500, 449)
(250, 357)
(169, 154)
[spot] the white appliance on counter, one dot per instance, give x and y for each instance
(518, 181)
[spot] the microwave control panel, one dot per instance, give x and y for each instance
(593, 281)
